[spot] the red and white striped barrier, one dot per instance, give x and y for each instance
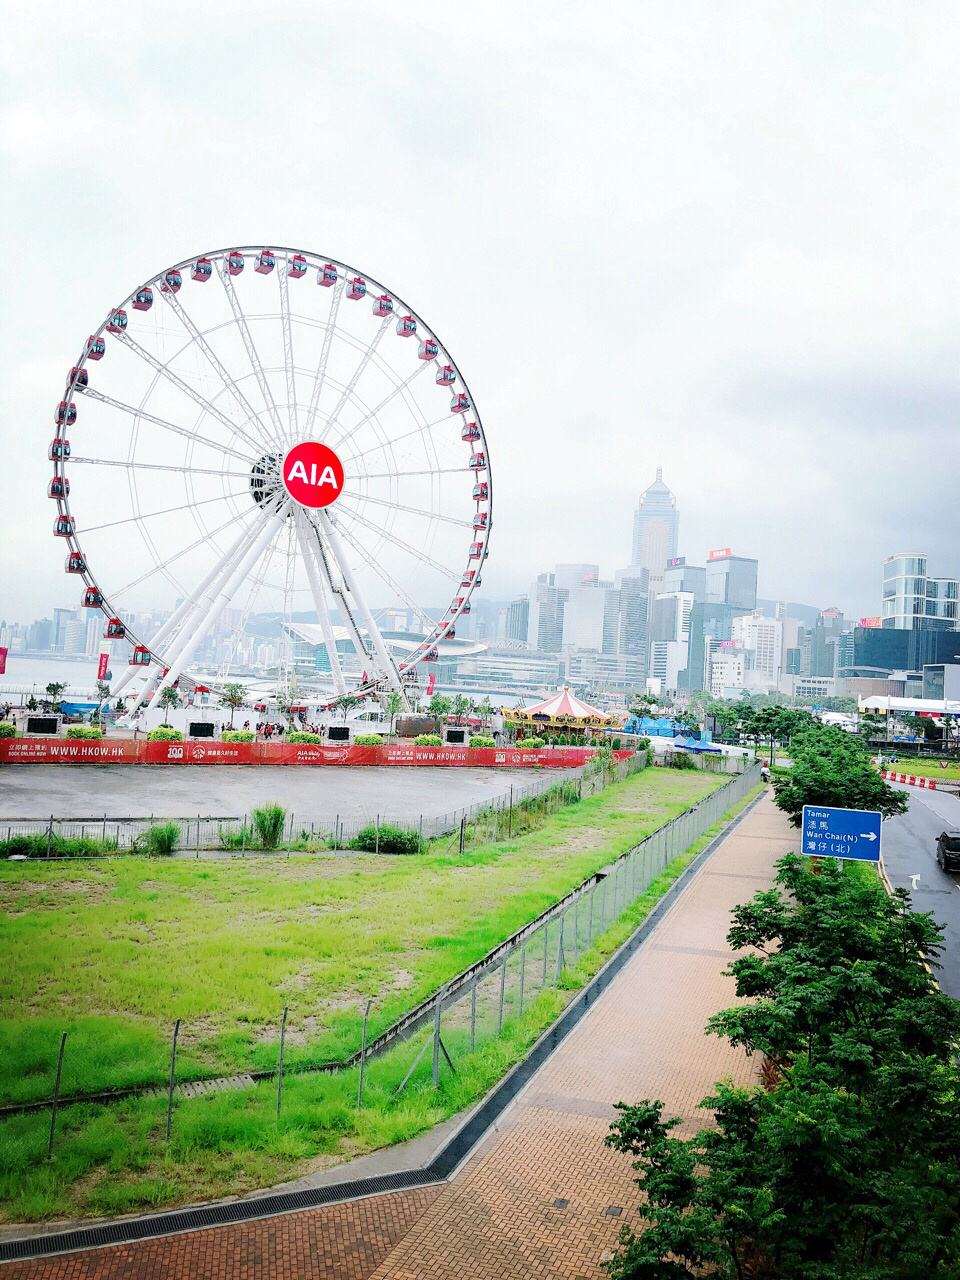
(910, 779)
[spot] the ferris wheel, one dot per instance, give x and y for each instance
(256, 438)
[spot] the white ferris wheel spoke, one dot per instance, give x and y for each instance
(357, 374)
(200, 542)
(156, 466)
(398, 475)
(206, 405)
(143, 416)
(398, 542)
(148, 515)
(414, 511)
(324, 357)
(388, 668)
(214, 361)
(252, 354)
(424, 618)
(391, 395)
(257, 581)
(306, 531)
(423, 429)
(284, 281)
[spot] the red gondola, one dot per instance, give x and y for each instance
(478, 462)
(92, 599)
(356, 288)
(140, 656)
(115, 630)
(59, 487)
(75, 563)
(259, 706)
(96, 347)
(297, 266)
(383, 305)
(450, 633)
(460, 403)
(59, 448)
(471, 578)
(480, 520)
(446, 375)
(143, 299)
(266, 261)
(118, 321)
(235, 262)
(461, 605)
(64, 526)
(476, 551)
(431, 656)
(66, 413)
(202, 270)
(428, 349)
(481, 491)
(470, 432)
(406, 326)
(79, 377)
(327, 275)
(172, 280)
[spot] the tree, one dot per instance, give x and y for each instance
(844, 1165)
(830, 769)
(460, 706)
(55, 691)
(642, 704)
(872, 725)
(103, 693)
(168, 701)
(439, 706)
(346, 703)
(485, 711)
(392, 706)
(233, 696)
(119, 706)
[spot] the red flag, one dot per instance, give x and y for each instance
(3, 660)
(102, 666)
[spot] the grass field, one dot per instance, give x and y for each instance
(924, 769)
(113, 952)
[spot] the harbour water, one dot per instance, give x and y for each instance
(32, 671)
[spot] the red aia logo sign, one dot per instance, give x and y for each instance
(313, 474)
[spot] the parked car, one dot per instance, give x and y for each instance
(948, 850)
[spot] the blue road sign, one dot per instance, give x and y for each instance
(841, 833)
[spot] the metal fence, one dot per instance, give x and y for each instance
(483, 1001)
(516, 809)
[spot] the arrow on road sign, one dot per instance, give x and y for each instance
(868, 835)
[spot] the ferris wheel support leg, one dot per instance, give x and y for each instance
(320, 601)
(202, 620)
(387, 664)
(175, 621)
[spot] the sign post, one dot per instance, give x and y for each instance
(841, 833)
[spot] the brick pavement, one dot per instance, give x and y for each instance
(542, 1196)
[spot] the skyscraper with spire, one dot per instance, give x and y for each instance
(656, 528)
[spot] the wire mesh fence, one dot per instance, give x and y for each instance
(523, 805)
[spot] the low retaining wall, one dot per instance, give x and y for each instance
(126, 751)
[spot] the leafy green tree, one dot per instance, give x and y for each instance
(830, 769)
(642, 704)
(103, 695)
(485, 710)
(346, 704)
(55, 691)
(392, 706)
(168, 700)
(233, 696)
(844, 1165)
(460, 706)
(873, 727)
(439, 706)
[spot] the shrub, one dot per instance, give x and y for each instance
(237, 735)
(300, 735)
(680, 760)
(34, 845)
(369, 740)
(531, 744)
(163, 733)
(7, 730)
(617, 743)
(390, 839)
(482, 740)
(268, 825)
(84, 731)
(428, 740)
(160, 840)
(643, 744)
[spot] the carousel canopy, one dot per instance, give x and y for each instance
(562, 708)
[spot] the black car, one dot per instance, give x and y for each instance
(948, 850)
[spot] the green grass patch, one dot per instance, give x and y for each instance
(924, 768)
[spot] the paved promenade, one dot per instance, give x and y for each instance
(542, 1196)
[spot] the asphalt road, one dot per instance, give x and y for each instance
(909, 855)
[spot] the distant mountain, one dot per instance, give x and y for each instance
(805, 613)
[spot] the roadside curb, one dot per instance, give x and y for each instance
(452, 1155)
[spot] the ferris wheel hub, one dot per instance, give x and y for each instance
(312, 474)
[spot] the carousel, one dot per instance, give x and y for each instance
(563, 712)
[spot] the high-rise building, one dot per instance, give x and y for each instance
(680, 576)
(545, 617)
(583, 617)
(710, 624)
(656, 528)
(731, 580)
(761, 640)
(912, 600)
(571, 576)
(61, 617)
(518, 620)
(670, 636)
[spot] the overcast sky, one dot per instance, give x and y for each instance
(717, 237)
